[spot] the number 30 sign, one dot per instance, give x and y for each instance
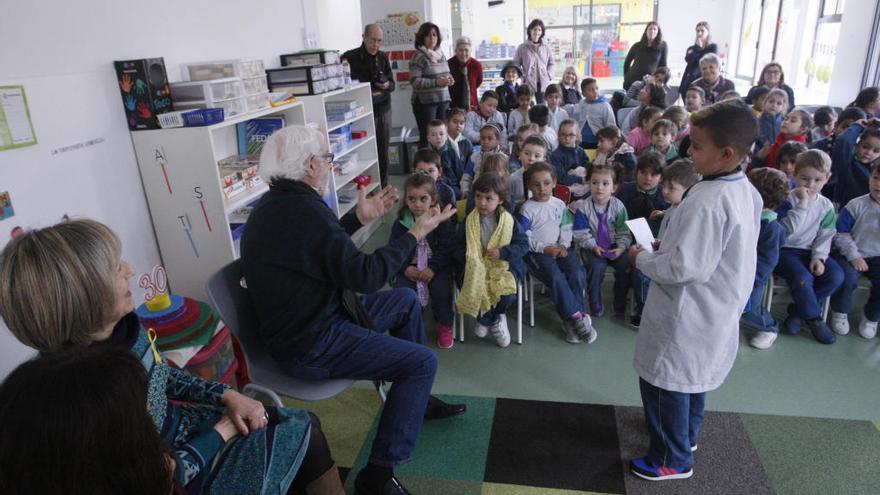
(153, 283)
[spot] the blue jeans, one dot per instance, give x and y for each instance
(640, 285)
(440, 292)
(807, 291)
(346, 350)
(841, 301)
(756, 316)
(596, 266)
(565, 277)
(492, 316)
(674, 420)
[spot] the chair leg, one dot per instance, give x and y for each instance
(825, 308)
(457, 317)
(519, 312)
(251, 390)
(531, 292)
(771, 286)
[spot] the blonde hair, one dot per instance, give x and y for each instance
(815, 159)
(494, 162)
(57, 284)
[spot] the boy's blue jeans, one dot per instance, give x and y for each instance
(756, 316)
(440, 292)
(596, 266)
(346, 350)
(491, 317)
(841, 301)
(640, 285)
(807, 291)
(565, 277)
(674, 420)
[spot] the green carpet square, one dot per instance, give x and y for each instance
(809, 455)
(453, 448)
(346, 419)
(503, 489)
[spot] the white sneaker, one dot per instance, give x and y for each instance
(500, 332)
(481, 331)
(763, 340)
(840, 323)
(867, 328)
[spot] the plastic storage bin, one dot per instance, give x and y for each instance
(231, 107)
(257, 101)
(303, 59)
(215, 90)
(298, 80)
(254, 85)
(219, 69)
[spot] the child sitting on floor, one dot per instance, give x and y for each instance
(695, 99)
(662, 133)
(857, 249)
(773, 186)
(547, 222)
(809, 220)
(428, 272)
(519, 116)
(824, 119)
(486, 113)
(788, 153)
(539, 115)
(519, 138)
(534, 150)
(490, 245)
(592, 113)
(490, 142)
(507, 90)
(612, 147)
(428, 161)
(553, 99)
(772, 115)
(569, 159)
(600, 230)
(455, 121)
(640, 137)
(855, 152)
(451, 165)
(794, 128)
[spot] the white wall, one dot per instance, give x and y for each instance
(339, 24)
(852, 48)
(62, 52)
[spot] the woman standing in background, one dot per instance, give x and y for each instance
(702, 45)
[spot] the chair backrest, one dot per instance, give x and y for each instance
(672, 96)
(230, 298)
(562, 192)
(622, 113)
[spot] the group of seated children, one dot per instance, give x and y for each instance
(513, 221)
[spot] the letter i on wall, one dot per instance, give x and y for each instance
(187, 229)
(162, 161)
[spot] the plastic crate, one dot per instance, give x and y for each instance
(170, 120)
(306, 58)
(214, 90)
(202, 116)
(219, 69)
(255, 85)
(233, 107)
(257, 101)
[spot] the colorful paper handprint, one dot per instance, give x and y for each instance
(125, 83)
(144, 110)
(130, 102)
(140, 86)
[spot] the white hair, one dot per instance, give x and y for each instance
(464, 40)
(286, 153)
(710, 58)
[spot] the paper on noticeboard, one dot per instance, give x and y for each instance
(642, 232)
(16, 128)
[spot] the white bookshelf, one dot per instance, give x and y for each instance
(365, 148)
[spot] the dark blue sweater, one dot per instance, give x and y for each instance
(440, 241)
(453, 166)
(640, 204)
(769, 126)
(298, 258)
(507, 98)
(514, 253)
(565, 159)
(770, 240)
(852, 175)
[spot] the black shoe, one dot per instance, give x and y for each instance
(635, 321)
(437, 409)
(392, 487)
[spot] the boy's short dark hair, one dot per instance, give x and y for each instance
(824, 116)
(539, 167)
(681, 172)
(489, 93)
(587, 81)
(665, 124)
(772, 185)
(536, 140)
(608, 132)
(427, 155)
(651, 161)
(730, 94)
(698, 90)
(436, 123)
(759, 92)
(806, 118)
(492, 182)
(792, 149)
(663, 72)
(729, 123)
(523, 90)
(552, 89)
(648, 113)
(492, 127)
(852, 114)
(452, 112)
(540, 115)
(615, 169)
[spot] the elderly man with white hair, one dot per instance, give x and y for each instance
(468, 75)
(304, 274)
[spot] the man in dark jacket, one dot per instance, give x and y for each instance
(304, 273)
(369, 64)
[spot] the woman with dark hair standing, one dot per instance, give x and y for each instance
(430, 79)
(645, 55)
(772, 77)
(702, 45)
(76, 422)
(536, 59)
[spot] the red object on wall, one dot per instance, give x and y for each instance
(402, 76)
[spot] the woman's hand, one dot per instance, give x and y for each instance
(240, 408)
(445, 81)
(372, 207)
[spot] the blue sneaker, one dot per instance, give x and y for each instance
(793, 321)
(821, 332)
(646, 470)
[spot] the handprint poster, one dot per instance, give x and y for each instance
(145, 91)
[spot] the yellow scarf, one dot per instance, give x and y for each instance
(485, 280)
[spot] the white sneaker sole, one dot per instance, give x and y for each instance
(679, 476)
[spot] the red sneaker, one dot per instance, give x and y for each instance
(445, 338)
